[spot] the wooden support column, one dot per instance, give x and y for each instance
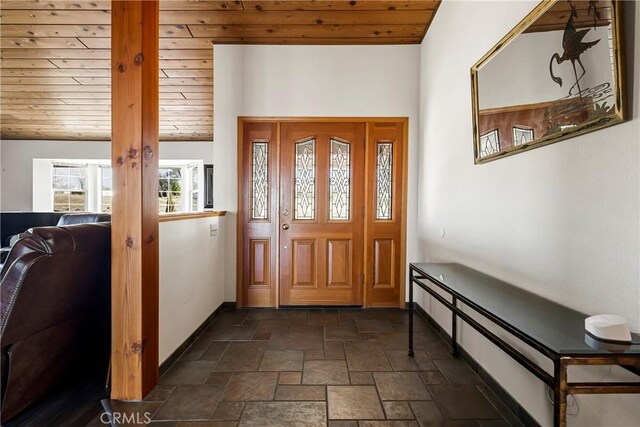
(134, 235)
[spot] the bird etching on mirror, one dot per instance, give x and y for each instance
(573, 47)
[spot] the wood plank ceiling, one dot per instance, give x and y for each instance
(55, 55)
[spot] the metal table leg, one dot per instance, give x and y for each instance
(411, 313)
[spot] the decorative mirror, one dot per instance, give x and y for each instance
(557, 74)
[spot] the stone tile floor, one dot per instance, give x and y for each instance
(324, 367)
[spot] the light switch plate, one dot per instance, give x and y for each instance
(213, 230)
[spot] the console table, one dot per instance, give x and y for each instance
(554, 330)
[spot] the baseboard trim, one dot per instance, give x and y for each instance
(512, 404)
(225, 306)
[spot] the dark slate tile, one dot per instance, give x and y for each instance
(397, 410)
(427, 413)
(273, 325)
(325, 372)
(294, 314)
(501, 407)
(219, 378)
(242, 356)
(392, 423)
(160, 393)
(361, 378)
(215, 350)
(337, 333)
(251, 386)
(314, 354)
(284, 414)
(371, 336)
(400, 340)
(401, 361)
(296, 340)
(260, 314)
(229, 333)
(282, 360)
(343, 424)
(322, 318)
(349, 314)
(251, 322)
(463, 402)
(373, 325)
(456, 371)
(190, 402)
(334, 350)
(290, 378)
(235, 317)
(228, 411)
(433, 377)
(495, 423)
(366, 356)
(354, 403)
(300, 392)
(261, 336)
(437, 352)
(302, 327)
(191, 372)
(400, 386)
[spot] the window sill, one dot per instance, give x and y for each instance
(189, 215)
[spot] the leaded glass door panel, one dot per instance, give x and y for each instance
(321, 213)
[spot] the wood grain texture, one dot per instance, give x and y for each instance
(385, 239)
(135, 272)
(71, 38)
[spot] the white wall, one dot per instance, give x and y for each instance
(349, 81)
(16, 159)
(191, 277)
(561, 221)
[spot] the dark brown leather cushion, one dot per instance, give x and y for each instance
(50, 275)
(54, 310)
(83, 218)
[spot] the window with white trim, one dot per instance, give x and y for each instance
(87, 186)
(69, 186)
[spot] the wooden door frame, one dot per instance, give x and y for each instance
(404, 176)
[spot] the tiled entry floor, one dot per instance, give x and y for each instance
(335, 367)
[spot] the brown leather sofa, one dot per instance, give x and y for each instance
(55, 325)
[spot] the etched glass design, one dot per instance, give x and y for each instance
(339, 180)
(305, 180)
(489, 143)
(384, 178)
(522, 135)
(260, 180)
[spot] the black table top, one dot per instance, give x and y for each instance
(555, 327)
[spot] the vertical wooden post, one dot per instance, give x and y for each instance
(134, 235)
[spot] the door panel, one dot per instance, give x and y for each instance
(385, 213)
(259, 219)
(321, 205)
(304, 263)
(259, 263)
(383, 263)
(339, 264)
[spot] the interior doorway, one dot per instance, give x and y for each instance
(321, 212)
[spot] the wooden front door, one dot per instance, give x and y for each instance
(321, 213)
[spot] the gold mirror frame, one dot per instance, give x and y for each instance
(618, 115)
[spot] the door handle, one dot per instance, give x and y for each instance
(285, 226)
